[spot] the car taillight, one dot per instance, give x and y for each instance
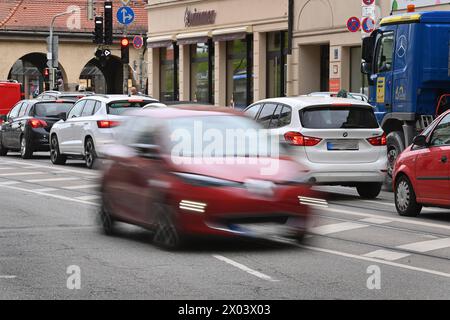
(378, 141)
(36, 123)
(105, 124)
(297, 139)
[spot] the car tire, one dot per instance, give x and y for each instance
(26, 152)
(55, 155)
(370, 190)
(395, 146)
(3, 150)
(106, 221)
(90, 155)
(405, 198)
(166, 235)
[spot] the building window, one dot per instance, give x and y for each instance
(240, 72)
(277, 46)
(169, 59)
(202, 72)
(325, 68)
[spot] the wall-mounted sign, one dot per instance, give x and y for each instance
(403, 4)
(199, 18)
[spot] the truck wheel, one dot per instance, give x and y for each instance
(405, 198)
(369, 190)
(395, 146)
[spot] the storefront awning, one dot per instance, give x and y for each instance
(160, 42)
(231, 34)
(193, 38)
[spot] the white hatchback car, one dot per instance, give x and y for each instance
(338, 140)
(89, 125)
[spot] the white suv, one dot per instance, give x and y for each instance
(339, 140)
(90, 124)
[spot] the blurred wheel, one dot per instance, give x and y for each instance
(405, 198)
(3, 150)
(107, 222)
(369, 190)
(90, 154)
(55, 156)
(25, 149)
(166, 235)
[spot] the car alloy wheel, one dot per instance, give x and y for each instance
(25, 152)
(166, 233)
(392, 157)
(55, 156)
(403, 194)
(90, 154)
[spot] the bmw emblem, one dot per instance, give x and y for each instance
(345, 134)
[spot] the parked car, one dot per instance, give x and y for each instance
(338, 139)
(10, 94)
(421, 173)
(350, 95)
(27, 126)
(176, 195)
(57, 95)
(90, 124)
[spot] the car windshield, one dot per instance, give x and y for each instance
(220, 136)
(119, 107)
(52, 109)
(332, 117)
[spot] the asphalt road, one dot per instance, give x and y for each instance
(48, 225)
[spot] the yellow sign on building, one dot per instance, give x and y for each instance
(381, 89)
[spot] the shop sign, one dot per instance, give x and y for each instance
(199, 18)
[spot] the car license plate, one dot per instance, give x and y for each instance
(262, 229)
(338, 145)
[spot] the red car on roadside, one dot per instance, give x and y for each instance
(422, 171)
(155, 180)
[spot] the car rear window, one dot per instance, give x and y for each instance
(52, 109)
(119, 107)
(337, 117)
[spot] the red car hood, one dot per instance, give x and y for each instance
(277, 170)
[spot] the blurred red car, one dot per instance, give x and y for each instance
(154, 181)
(422, 171)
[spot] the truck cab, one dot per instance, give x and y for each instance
(407, 62)
(10, 94)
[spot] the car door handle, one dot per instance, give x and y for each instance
(444, 159)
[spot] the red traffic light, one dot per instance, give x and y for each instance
(124, 42)
(46, 72)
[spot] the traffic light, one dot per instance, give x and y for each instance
(59, 78)
(47, 74)
(108, 23)
(125, 47)
(98, 33)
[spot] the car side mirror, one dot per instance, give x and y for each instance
(366, 68)
(420, 141)
(148, 151)
(62, 116)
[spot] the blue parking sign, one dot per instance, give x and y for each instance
(125, 15)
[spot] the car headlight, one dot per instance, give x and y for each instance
(206, 181)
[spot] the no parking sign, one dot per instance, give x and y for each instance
(368, 25)
(353, 24)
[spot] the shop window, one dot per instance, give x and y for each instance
(202, 72)
(277, 47)
(169, 65)
(240, 72)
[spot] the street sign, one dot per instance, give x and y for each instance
(107, 52)
(353, 24)
(138, 42)
(368, 25)
(125, 2)
(368, 2)
(125, 15)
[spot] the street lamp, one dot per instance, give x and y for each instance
(52, 74)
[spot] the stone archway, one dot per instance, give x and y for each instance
(315, 15)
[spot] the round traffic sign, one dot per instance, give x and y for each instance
(368, 2)
(125, 15)
(353, 24)
(138, 42)
(368, 25)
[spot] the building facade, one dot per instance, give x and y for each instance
(234, 52)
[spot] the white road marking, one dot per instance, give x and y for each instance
(7, 168)
(86, 186)
(7, 277)
(51, 180)
(88, 198)
(337, 227)
(401, 220)
(50, 195)
(9, 183)
(376, 220)
(386, 255)
(429, 245)
(45, 190)
(17, 174)
(87, 172)
(245, 268)
(393, 205)
(374, 260)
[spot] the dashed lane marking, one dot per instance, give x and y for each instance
(7, 277)
(426, 246)
(337, 227)
(387, 255)
(88, 198)
(375, 220)
(46, 190)
(18, 174)
(51, 180)
(245, 268)
(86, 186)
